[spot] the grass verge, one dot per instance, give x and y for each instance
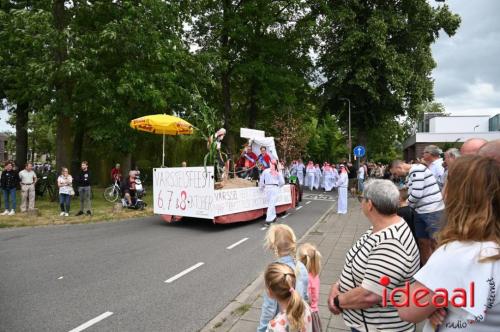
(49, 212)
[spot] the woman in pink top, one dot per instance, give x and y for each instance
(311, 258)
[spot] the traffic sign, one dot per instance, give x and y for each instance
(359, 151)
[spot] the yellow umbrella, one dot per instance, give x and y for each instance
(162, 124)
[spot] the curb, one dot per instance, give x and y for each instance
(227, 317)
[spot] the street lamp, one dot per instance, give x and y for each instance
(349, 143)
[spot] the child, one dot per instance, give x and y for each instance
(311, 258)
(282, 241)
(294, 314)
(406, 212)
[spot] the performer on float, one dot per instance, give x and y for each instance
(317, 176)
(249, 165)
(264, 159)
(342, 184)
(271, 181)
(310, 172)
(300, 172)
(329, 177)
(215, 142)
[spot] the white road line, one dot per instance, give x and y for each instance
(92, 322)
(61, 277)
(237, 243)
(308, 202)
(263, 228)
(183, 273)
(299, 207)
(286, 215)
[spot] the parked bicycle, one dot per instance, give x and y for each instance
(112, 193)
(47, 184)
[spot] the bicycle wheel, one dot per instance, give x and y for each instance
(111, 194)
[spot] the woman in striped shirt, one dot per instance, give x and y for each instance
(384, 258)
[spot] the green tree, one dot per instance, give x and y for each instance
(378, 54)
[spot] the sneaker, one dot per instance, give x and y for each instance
(12, 212)
(6, 212)
(66, 214)
(89, 213)
(61, 214)
(79, 213)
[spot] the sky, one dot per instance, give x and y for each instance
(467, 76)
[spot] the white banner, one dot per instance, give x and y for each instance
(184, 191)
(228, 201)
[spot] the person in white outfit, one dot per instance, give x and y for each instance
(300, 172)
(329, 177)
(317, 176)
(310, 172)
(342, 184)
(271, 181)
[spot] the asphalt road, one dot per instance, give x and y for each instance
(59, 278)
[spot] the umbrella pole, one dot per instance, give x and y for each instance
(163, 158)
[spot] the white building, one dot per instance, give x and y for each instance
(439, 130)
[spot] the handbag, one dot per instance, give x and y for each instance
(71, 191)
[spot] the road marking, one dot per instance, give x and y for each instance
(264, 228)
(237, 243)
(299, 207)
(308, 202)
(60, 277)
(92, 322)
(286, 215)
(183, 273)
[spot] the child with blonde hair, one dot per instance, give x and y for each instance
(311, 258)
(294, 314)
(281, 240)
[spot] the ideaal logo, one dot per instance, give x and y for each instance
(441, 298)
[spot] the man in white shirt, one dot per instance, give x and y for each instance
(433, 160)
(361, 177)
(28, 180)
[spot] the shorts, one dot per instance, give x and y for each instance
(427, 224)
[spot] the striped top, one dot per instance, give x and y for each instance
(391, 252)
(423, 190)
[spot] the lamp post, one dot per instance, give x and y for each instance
(349, 142)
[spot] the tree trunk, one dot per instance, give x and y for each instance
(76, 155)
(22, 111)
(252, 111)
(226, 75)
(62, 89)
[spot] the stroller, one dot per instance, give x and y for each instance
(137, 202)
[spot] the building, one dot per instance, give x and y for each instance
(443, 130)
(4, 156)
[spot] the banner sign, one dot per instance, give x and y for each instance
(229, 201)
(184, 191)
(189, 192)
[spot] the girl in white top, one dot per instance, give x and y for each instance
(468, 258)
(65, 184)
(271, 181)
(294, 314)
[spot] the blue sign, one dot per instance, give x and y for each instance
(359, 151)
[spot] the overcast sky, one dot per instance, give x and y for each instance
(467, 76)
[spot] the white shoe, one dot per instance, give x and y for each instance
(12, 212)
(61, 214)
(6, 212)
(66, 214)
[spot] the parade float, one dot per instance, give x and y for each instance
(217, 193)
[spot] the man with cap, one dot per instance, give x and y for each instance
(433, 160)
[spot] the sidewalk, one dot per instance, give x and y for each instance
(333, 235)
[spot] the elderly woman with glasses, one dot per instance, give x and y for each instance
(384, 258)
